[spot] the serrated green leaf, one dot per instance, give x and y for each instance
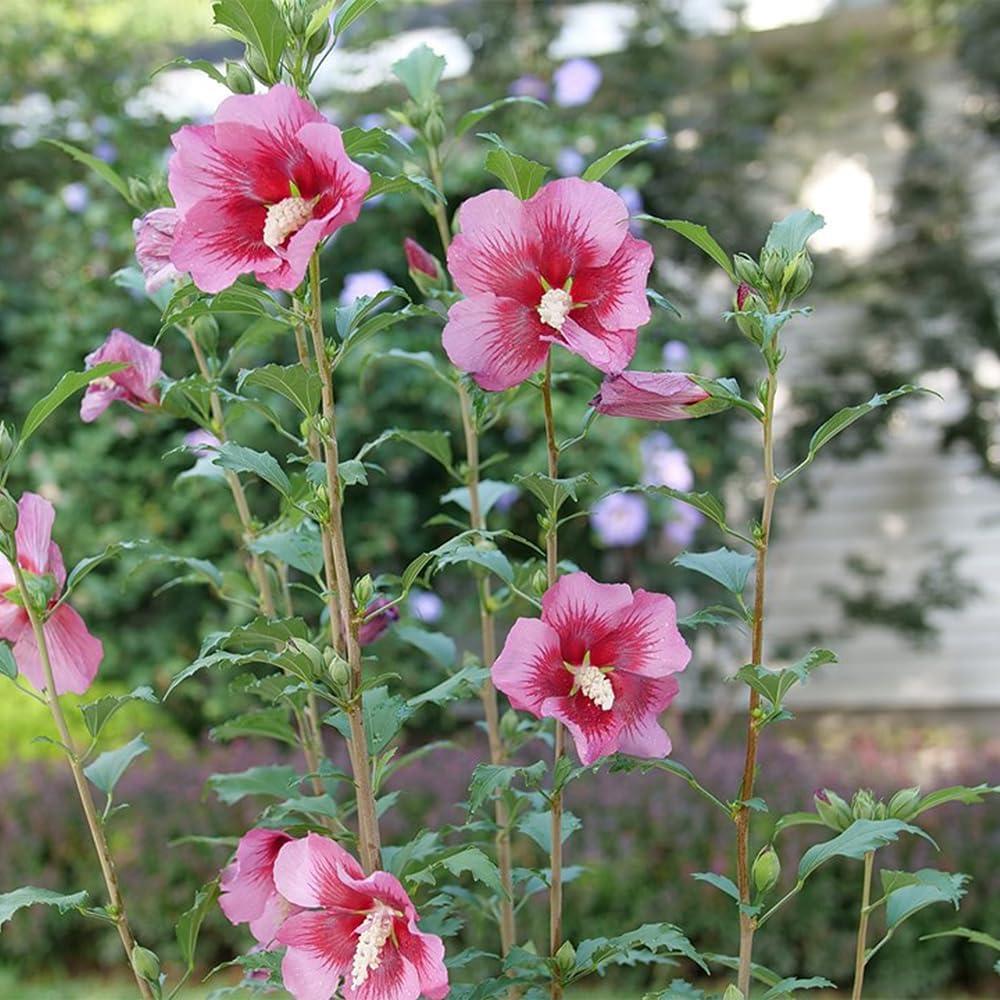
(968, 795)
(300, 547)
(203, 65)
(490, 778)
(97, 714)
(438, 646)
(721, 882)
(490, 492)
(976, 937)
(420, 73)
(862, 836)
(699, 236)
(521, 176)
(786, 987)
(68, 385)
(90, 563)
(791, 234)
(490, 558)
(30, 895)
(723, 565)
(302, 388)
(237, 458)
(478, 865)
(553, 493)
(798, 819)
(384, 716)
(476, 115)
(102, 169)
(267, 723)
(931, 887)
(538, 826)
(107, 770)
(257, 22)
(273, 780)
(775, 684)
(603, 164)
(464, 683)
(705, 503)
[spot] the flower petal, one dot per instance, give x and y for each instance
(499, 341)
(607, 350)
(136, 382)
(13, 619)
(643, 638)
(425, 952)
(594, 730)
(196, 170)
(306, 972)
(616, 293)
(394, 979)
(638, 703)
(33, 537)
(530, 666)
(582, 611)
(74, 653)
(497, 250)
(307, 873)
(248, 884)
(648, 395)
(279, 111)
(581, 225)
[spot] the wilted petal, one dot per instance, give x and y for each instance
(135, 384)
(154, 241)
(656, 396)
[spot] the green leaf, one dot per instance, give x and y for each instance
(8, 666)
(300, 547)
(956, 793)
(775, 684)
(102, 169)
(273, 780)
(699, 236)
(788, 986)
(29, 895)
(603, 164)
(490, 492)
(97, 714)
(553, 493)
(384, 716)
(976, 937)
(464, 683)
(268, 723)
(483, 554)
(437, 444)
(478, 865)
(521, 176)
(726, 567)
(258, 23)
(347, 15)
(930, 887)
(862, 836)
(538, 826)
(302, 388)
(642, 944)
(238, 458)
(189, 924)
(621, 763)
(70, 383)
(798, 819)
(382, 184)
(420, 72)
(721, 882)
(490, 778)
(706, 503)
(476, 115)
(107, 770)
(90, 563)
(723, 392)
(791, 233)
(715, 615)
(438, 646)
(206, 67)
(843, 419)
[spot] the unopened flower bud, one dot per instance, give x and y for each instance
(319, 39)
(733, 992)
(308, 650)
(747, 270)
(140, 193)
(863, 805)
(509, 723)
(238, 80)
(298, 18)
(832, 809)
(364, 591)
(798, 275)
(258, 66)
(772, 263)
(7, 442)
(379, 615)
(146, 964)
(566, 957)
(435, 129)
(901, 805)
(540, 581)
(337, 669)
(766, 870)
(8, 513)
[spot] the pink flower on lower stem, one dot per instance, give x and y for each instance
(74, 653)
(259, 189)
(379, 615)
(154, 242)
(359, 933)
(559, 268)
(248, 892)
(134, 385)
(599, 660)
(648, 396)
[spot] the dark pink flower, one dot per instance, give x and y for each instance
(599, 660)
(377, 621)
(74, 653)
(743, 292)
(648, 396)
(359, 934)
(248, 893)
(559, 268)
(154, 242)
(134, 385)
(259, 189)
(420, 260)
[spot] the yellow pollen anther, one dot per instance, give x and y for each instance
(596, 685)
(286, 217)
(554, 307)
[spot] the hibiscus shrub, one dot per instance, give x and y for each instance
(544, 283)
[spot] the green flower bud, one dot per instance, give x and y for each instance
(566, 957)
(901, 805)
(308, 650)
(766, 870)
(733, 992)
(798, 276)
(319, 39)
(540, 581)
(435, 129)
(832, 809)
(772, 263)
(8, 513)
(257, 65)
(509, 723)
(863, 805)
(146, 964)
(747, 270)
(364, 591)
(298, 18)
(338, 670)
(8, 442)
(238, 80)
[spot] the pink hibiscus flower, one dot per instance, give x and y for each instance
(154, 242)
(259, 189)
(359, 934)
(648, 396)
(380, 616)
(600, 661)
(248, 893)
(74, 653)
(134, 385)
(559, 268)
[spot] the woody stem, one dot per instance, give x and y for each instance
(116, 903)
(340, 596)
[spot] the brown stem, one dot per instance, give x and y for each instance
(340, 600)
(552, 573)
(747, 923)
(116, 901)
(859, 951)
(257, 567)
(487, 693)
